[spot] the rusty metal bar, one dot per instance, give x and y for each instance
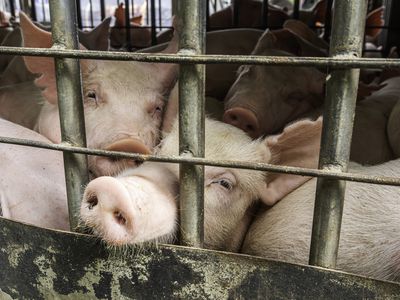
(332, 62)
(384, 180)
(69, 90)
(346, 41)
(191, 122)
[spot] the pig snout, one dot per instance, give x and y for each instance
(243, 119)
(111, 165)
(127, 211)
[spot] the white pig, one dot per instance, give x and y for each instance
(369, 240)
(32, 184)
(111, 206)
(264, 99)
(123, 101)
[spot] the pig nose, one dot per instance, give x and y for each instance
(129, 145)
(243, 119)
(108, 200)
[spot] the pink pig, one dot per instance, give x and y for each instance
(123, 101)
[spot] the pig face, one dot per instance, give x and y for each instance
(264, 98)
(123, 101)
(146, 196)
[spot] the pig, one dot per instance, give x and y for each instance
(393, 129)
(250, 15)
(95, 39)
(140, 36)
(123, 101)
(110, 206)
(220, 77)
(369, 240)
(290, 93)
(32, 183)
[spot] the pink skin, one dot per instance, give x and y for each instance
(122, 101)
(32, 184)
(244, 119)
(120, 211)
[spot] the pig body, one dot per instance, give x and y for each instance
(393, 129)
(123, 101)
(32, 184)
(220, 77)
(369, 240)
(264, 99)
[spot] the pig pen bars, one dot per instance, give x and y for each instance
(345, 47)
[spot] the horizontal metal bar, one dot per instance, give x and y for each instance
(382, 180)
(332, 62)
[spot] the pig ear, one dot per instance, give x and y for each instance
(168, 73)
(97, 39)
(268, 40)
(35, 37)
(119, 15)
(302, 31)
(374, 20)
(297, 146)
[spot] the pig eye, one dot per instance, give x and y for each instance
(156, 111)
(225, 183)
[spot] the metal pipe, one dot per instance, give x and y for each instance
(191, 123)
(159, 15)
(79, 13)
(12, 8)
(236, 12)
(153, 22)
(331, 62)
(91, 13)
(341, 93)
(70, 104)
(296, 9)
(381, 180)
(33, 10)
(264, 14)
(128, 27)
(102, 9)
(328, 20)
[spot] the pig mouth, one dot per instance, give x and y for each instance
(110, 166)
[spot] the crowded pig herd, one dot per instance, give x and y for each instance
(255, 113)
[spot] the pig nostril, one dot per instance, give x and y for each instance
(92, 201)
(233, 117)
(119, 218)
(249, 128)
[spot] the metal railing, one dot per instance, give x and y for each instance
(346, 45)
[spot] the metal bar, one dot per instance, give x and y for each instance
(102, 9)
(328, 20)
(79, 13)
(128, 27)
(159, 15)
(208, 15)
(332, 62)
(12, 8)
(235, 14)
(91, 13)
(69, 90)
(33, 10)
(381, 180)
(44, 12)
(153, 22)
(191, 123)
(341, 93)
(174, 7)
(264, 14)
(296, 9)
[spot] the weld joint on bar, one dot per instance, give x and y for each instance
(187, 51)
(346, 55)
(334, 168)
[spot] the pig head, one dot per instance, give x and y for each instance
(123, 101)
(265, 98)
(230, 194)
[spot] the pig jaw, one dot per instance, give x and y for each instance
(117, 210)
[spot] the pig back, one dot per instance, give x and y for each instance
(370, 238)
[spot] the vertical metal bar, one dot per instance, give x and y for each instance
(235, 12)
(147, 11)
(174, 7)
(264, 14)
(44, 11)
(159, 15)
(132, 8)
(91, 13)
(191, 123)
(296, 10)
(128, 27)
(79, 13)
(153, 22)
(346, 41)
(328, 20)
(33, 11)
(12, 8)
(208, 15)
(102, 10)
(69, 89)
